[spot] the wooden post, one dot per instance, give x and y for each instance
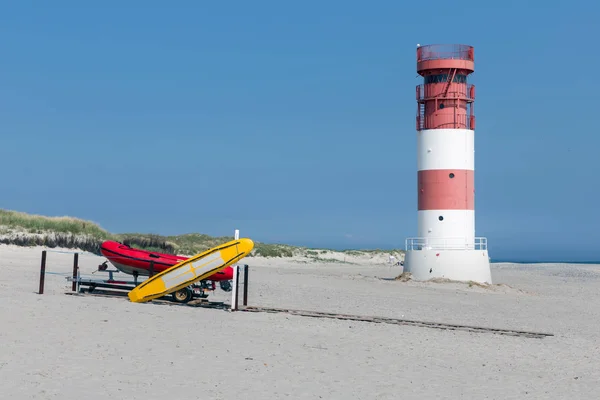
(42, 272)
(245, 284)
(75, 268)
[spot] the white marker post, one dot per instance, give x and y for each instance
(78, 279)
(236, 274)
(234, 289)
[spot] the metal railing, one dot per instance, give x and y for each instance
(445, 52)
(458, 91)
(424, 243)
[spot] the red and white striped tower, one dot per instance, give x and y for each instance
(446, 246)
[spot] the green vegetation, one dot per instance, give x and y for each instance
(37, 224)
(36, 230)
(274, 250)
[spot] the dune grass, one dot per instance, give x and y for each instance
(38, 223)
(67, 232)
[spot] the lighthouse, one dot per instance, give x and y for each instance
(446, 245)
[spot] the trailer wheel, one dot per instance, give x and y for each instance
(183, 295)
(225, 286)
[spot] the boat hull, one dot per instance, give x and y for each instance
(130, 261)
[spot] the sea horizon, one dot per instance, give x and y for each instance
(542, 261)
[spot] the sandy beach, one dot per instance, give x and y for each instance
(56, 346)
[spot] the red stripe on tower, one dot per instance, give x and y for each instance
(446, 189)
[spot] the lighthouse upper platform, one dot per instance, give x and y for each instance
(445, 56)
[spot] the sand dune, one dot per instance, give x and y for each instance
(56, 346)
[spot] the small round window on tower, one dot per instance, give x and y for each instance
(441, 218)
(441, 105)
(451, 175)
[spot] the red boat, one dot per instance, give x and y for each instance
(129, 260)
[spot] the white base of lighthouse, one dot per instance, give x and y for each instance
(457, 265)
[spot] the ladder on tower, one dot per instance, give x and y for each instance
(421, 116)
(449, 82)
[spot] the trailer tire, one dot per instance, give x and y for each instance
(183, 295)
(226, 286)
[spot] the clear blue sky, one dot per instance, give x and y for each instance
(295, 121)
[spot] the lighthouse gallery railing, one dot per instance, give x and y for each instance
(423, 243)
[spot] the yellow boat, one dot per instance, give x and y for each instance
(193, 269)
